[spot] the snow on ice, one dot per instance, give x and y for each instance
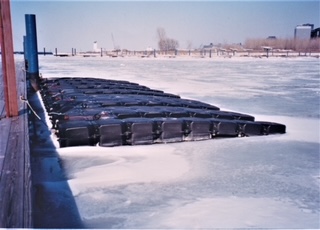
(255, 182)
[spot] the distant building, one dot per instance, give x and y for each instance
(303, 31)
(149, 49)
(95, 47)
(272, 38)
(210, 46)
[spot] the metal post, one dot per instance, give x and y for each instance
(8, 65)
(25, 52)
(32, 51)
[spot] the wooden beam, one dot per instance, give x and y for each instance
(8, 65)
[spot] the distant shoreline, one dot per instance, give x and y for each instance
(186, 54)
(141, 54)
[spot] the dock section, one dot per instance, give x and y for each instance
(91, 111)
(15, 172)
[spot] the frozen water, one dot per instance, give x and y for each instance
(272, 85)
(255, 182)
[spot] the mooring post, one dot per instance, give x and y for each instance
(24, 47)
(25, 52)
(8, 65)
(25, 55)
(32, 51)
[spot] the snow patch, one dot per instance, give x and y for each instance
(102, 167)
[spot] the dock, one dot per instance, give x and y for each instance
(91, 111)
(15, 170)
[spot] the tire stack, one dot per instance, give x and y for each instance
(90, 111)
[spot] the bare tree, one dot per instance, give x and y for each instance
(165, 43)
(161, 33)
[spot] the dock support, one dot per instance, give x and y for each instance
(32, 51)
(8, 65)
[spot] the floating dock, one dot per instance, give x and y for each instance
(91, 111)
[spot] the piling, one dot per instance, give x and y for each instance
(8, 65)
(32, 51)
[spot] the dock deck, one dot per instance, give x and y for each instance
(15, 171)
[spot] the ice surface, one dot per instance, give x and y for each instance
(255, 182)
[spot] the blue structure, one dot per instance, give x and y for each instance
(31, 51)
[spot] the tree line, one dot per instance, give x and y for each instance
(300, 45)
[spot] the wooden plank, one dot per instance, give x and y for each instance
(2, 102)
(27, 205)
(27, 182)
(2, 109)
(15, 171)
(4, 135)
(11, 214)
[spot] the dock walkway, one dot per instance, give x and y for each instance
(15, 171)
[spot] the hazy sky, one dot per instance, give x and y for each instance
(77, 24)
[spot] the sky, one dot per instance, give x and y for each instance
(133, 24)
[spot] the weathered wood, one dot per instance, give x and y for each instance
(2, 109)
(8, 65)
(27, 185)
(4, 127)
(12, 178)
(27, 199)
(2, 104)
(15, 172)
